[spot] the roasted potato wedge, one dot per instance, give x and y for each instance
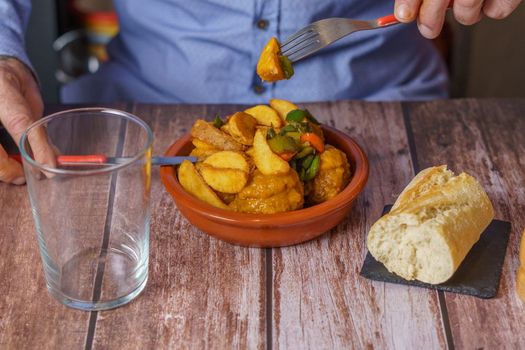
(201, 144)
(228, 160)
(243, 161)
(202, 153)
(250, 152)
(227, 197)
(282, 107)
(206, 132)
(266, 161)
(269, 65)
(241, 126)
(265, 115)
(192, 181)
(224, 180)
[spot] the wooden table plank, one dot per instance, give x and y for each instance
(201, 292)
(30, 317)
(486, 139)
(206, 293)
(320, 301)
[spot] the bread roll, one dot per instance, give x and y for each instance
(432, 226)
(425, 180)
(520, 277)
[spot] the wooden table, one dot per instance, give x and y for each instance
(204, 293)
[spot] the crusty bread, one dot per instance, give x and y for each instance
(432, 226)
(426, 180)
(520, 276)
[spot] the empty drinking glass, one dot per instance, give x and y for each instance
(92, 219)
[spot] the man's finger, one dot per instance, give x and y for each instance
(42, 150)
(40, 145)
(34, 98)
(406, 10)
(20, 106)
(15, 113)
(468, 11)
(499, 9)
(10, 170)
(431, 17)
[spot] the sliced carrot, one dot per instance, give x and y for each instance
(287, 155)
(314, 140)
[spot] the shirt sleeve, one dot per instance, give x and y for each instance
(14, 15)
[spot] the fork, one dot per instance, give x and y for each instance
(322, 33)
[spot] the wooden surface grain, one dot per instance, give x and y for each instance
(320, 301)
(204, 293)
(29, 316)
(487, 140)
(201, 292)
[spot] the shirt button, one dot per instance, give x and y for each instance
(259, 89)
(262, 24)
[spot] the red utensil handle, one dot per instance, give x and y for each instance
(16, 157)
(91, 158)
(386, 20)
(391, 19)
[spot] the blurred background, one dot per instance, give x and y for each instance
(66, 38)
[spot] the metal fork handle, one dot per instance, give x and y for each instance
(324, 32)
(308, 37)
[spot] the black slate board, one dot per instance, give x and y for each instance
(478, 275)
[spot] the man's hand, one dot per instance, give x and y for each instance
(430, 14)
(20, 105)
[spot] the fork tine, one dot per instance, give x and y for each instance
(302, 46)
(303, 31)
(299, 42)
(305, 50)
(320, 34)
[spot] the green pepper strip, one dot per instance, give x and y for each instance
(306, 162)
(302, 174)
(306, 127)
(311, 118)
(296, 135)
(289, 128)
(287, 67)
(313, 169)
(297, 115)
(280, 144)
(217, 122)
(293, 164)
(304, 152)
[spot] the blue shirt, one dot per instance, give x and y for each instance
(14, 15)
(205, 51)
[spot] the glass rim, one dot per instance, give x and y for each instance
(108, 111)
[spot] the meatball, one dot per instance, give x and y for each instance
(268, 194)
(332, 178)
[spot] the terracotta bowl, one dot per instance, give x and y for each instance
(270, 230)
